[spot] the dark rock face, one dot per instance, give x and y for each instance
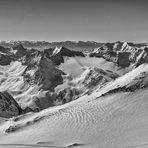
(5, 60)
(8, 106)
(5, 56)
(123, 59)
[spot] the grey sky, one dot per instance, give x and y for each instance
(59, 20)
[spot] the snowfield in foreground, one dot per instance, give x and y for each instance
(107, 118)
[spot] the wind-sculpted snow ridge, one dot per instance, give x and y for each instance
(124, 54)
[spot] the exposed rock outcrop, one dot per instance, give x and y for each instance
(8, 106)
(123, 59)
(5, 59)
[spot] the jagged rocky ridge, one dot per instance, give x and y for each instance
(124, 54)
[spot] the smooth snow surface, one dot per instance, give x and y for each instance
(118, 120)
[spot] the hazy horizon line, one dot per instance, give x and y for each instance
(76, 41)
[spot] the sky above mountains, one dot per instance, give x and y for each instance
(60, 20)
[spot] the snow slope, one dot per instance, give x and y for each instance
(114, 120)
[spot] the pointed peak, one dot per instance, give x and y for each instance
(19, 45)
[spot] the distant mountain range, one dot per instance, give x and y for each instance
(80, 45)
